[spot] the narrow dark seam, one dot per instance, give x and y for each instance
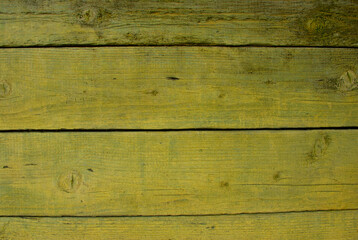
(177, 45)
(180, 129)
(184, 215)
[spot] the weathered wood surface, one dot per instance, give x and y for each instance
(177, 87)
(176, 173)
(158, 22)
(318, 225)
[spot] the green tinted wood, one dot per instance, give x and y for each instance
(178, 87)
(171, 22)
(176, 173)
(316, 225)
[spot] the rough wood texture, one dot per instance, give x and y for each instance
(178, 87)
(318, 225)
(176, 173)
(170, 22)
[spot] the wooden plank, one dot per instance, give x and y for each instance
(177, 88)
(171, 22)
(177, 173)
(317, 225)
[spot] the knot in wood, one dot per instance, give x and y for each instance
(316, 25)
(5, 89)
(93, 16)
(319, 148)
(348, 81)
(70, 182)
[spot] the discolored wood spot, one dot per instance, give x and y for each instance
(222, 95)
(327, 24)
(347, 81)
(70, 182)
(5, 89)
(3, 230)
(277, 176)
(153, 92)
(316, 25)
(173, 78)
(289, 56)
(319, 148)
(269, 82)
(224, 184)
(132, 36)
(30, 164)
(93, 16)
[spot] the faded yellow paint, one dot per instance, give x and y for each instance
(282, 184)
(177, 173)
(316, 225)
(177, 87)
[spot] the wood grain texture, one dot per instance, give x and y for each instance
(177, 88)
(318, 225)
(177, 173)
(171, 22)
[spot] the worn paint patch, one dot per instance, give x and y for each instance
(348, 81)
(92, 16)
(224, 184)
(330, 24)
(319, 148)
(5, 89)
(277, 176)
(3, 231)
(152, 92)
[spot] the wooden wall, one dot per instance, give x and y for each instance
(178, 119)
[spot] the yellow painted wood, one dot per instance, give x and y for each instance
(317, 225)
(176, 173)
(178, 87)
(157, 22)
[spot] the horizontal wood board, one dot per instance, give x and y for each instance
(183, 22)
(316, 225)
(178, 88)
(177, 173)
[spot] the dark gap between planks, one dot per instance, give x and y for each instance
(181, 130)
(178, 45)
